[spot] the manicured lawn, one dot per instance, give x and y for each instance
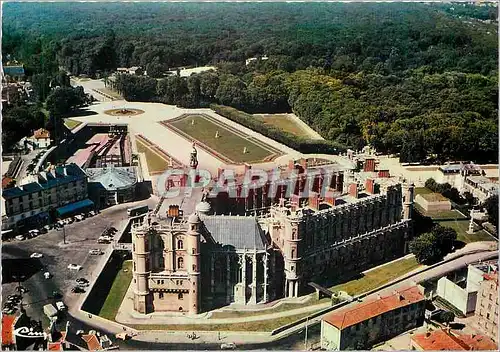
(461, 226)
(261, 325)
(377, 277)
(156, 163)
(239, 314)
(283, 122)
(72, 123)
(227, 144)
(117, 292)
(110, 92)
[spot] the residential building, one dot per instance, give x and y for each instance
(446, 339)
(47, 194)
(462, 293)
(360, 325)
(486, 316)
(40, 138)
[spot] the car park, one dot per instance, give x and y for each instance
(74, 267)
(36, 255)
(96, 252)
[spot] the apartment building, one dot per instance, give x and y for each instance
(361, 325)
(46, 196)
(486, 317)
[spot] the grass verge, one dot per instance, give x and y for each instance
(378, 277)
(261, 325)
(284, 123)
(117, 292)
(461, 226)
(155, 162)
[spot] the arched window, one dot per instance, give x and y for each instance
(180, 296)
(194, 267)
(293, 253)
(180, 244)
(180, 263)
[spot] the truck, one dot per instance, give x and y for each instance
(50, 311)
(137, 210)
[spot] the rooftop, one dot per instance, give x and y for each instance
(14, 70)
(434, 197)
(442, 340)
(237, 231)
(357, 313)
(7, 326)
(113, 178)
(41, 133)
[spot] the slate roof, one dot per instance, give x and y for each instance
(59, 176)
(357, 313)
(113, 178)
(13, 70)
(237, 231)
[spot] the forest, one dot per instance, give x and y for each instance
(418, 80)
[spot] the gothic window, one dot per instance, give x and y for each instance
(180, 263)
(180, 296)
(160, 295)
(194, 267)
(194, 251)
(293, 253)
(180, 244)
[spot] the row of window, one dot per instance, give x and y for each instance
(180, 296)
(38, 194)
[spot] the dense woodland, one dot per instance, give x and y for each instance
(419, 80)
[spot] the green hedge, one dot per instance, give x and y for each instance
(303, 145)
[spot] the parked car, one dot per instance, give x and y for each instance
(113, 229)
(106, 238)
(91, 213)
(77, 289)
(56, 295)
(79, 217)
(103, 241)
(36, 255)
(228, 346)
(81, 279)
(74, 267)
(47, 275)
(20, 237)
(60, 306)
(96, 252)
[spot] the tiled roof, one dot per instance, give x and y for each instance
(363, 311)
(6, 181)
(237, 231)
(113, 178)
(439, 340)
(41, 133)
(7, 326)
(93, 343)
(492, 276)
(54, 346)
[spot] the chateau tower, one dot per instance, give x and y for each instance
(291, 255)
(193, 262)
(141, 271)
(408, 204)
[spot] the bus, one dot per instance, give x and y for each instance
(138, 210)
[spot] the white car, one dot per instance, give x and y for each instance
(36, 255)
(228, 346)
(79, 218)
(47, 275)
(106, 238)
(60, 306)
(74, 267)
(20, 238)
(96, 252)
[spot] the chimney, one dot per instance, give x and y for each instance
(353, 190)
(314, 201)
(370, 186)
(369, 165)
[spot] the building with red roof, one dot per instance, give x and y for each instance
(360, 325)
(8, 331)
(439, 340)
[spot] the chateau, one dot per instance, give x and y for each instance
(258, 248)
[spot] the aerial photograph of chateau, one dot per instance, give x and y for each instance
(250, 176)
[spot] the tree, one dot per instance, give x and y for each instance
(154, 69)
(424, 248)
(231, 91)
(491, 206)
(446, 317)
(445, 238)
